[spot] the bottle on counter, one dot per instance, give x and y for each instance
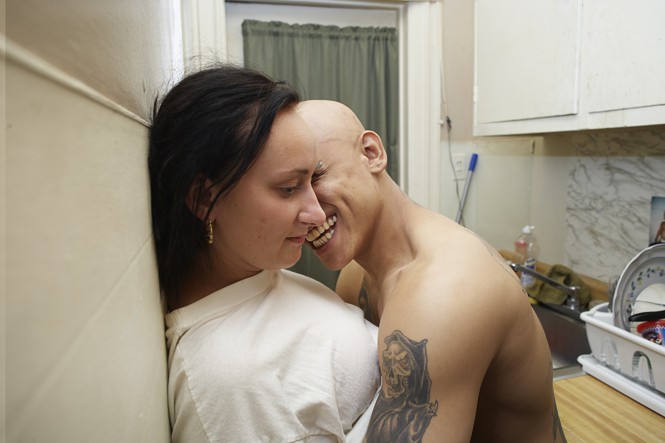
(526, 251)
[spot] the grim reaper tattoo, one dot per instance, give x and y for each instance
(403, 411)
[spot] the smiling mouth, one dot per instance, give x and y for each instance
(320, 235)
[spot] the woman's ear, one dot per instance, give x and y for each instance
(199, 197)
(374, 151)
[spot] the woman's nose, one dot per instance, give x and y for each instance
(312, 213)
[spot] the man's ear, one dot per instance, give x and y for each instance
(374, 151)
(199, 197)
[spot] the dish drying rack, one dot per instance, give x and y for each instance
(627, 362)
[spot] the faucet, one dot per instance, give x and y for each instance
(572, 301)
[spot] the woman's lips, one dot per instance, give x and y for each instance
(298, 240)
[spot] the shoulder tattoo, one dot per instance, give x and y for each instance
(403, 410)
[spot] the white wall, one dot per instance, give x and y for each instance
(85, 351)
(121, 49)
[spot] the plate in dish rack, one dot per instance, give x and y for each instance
(646, 268)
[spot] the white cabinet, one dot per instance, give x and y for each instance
(625, 74)
(526, 59)
(565, 65)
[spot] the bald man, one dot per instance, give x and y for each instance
(463, 356)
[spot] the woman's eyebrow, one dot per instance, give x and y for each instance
(294, 171)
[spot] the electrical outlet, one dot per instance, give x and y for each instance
(458, 166)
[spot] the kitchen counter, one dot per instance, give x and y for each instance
(592, 411)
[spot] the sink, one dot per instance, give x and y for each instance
(566, 337)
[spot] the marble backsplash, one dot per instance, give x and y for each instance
(613, 177)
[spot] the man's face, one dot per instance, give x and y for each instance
(341, 190)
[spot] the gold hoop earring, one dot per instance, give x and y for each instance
(210, 236)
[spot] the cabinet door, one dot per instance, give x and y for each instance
(526, 59)
(626, 55)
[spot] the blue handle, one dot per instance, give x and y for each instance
(472, 163)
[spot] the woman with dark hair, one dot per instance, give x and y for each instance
(256, 353)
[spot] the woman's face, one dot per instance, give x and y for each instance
(263, 221)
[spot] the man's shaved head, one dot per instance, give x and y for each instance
(331, 120)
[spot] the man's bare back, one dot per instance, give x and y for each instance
(462, 354)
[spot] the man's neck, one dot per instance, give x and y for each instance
(391, 248)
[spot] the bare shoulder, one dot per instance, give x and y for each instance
(349, 282)
(352, 287)
(457, 270)
(444, 295)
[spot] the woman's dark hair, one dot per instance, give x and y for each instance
(212, 125)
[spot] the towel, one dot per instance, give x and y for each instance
(561, 274)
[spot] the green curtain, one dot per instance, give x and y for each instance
(357, 66)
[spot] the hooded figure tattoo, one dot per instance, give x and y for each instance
(403, 410)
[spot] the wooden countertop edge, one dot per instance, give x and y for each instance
(592, 411)
(598, 288)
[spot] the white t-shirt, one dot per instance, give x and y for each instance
(277, 357)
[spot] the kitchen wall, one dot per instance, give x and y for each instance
(85, 352)
(587, 193)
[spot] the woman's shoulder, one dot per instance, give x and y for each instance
(307, 290)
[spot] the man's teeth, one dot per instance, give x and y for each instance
(324, 239)
(320, 235)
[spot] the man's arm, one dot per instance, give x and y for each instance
(432, 367)
(404, 409)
